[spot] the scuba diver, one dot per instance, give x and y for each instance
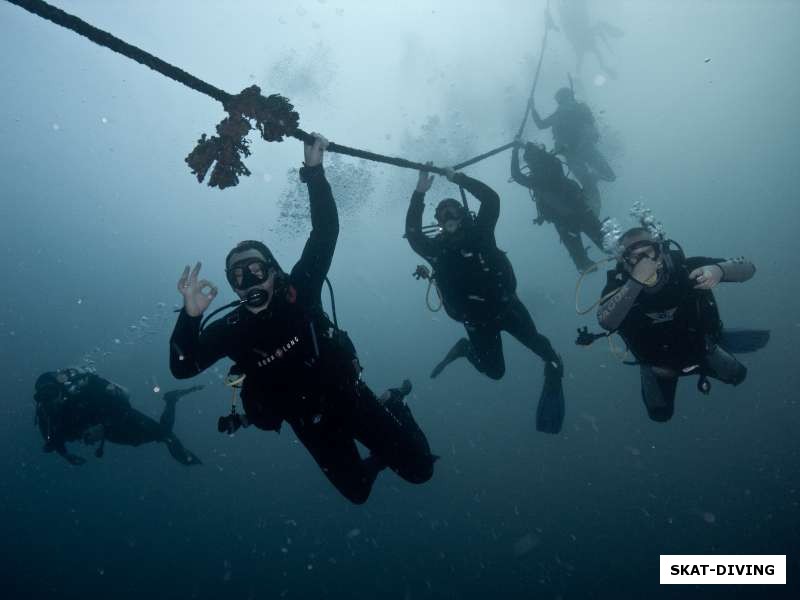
(478, 288)
(583, 35)
(662, 305)
(575, 136)
(559, 200)
(297, 365)
(76, 404)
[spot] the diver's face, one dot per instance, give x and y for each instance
(450, 219)
(642, 258)
(636, 255)
(250, 270)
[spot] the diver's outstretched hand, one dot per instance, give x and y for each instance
(314, 152)
(425, 180)
(195, 297)
(706, 277)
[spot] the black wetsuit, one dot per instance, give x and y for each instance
(575, 136)
(299, 370)
(561, 201)
(476, 281)
(673, 331)
(87, 400)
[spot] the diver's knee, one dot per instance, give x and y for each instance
(357, 494)
(424, 472)
(421, 471)
(494, 371)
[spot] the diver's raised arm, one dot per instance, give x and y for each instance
(516, 173)
(541, 123)
(315, 261)
(416, 207)
(612, 312)
(489, 211)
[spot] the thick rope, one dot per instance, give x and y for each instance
(105, 39)
(483, 156)
(538, 70)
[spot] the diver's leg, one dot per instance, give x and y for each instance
(391, 433)
(658, 394)
(578, 165)
(461, 349)
(133, 428)
(612, 74)
(486, 347)
(722, 365)
(592, 193)
(483, 349)
(170, 399)
(579, 169)
(551, 407)
(574, 244)
(598, 163)
(593, 229)
(333, 448)
(517, 321)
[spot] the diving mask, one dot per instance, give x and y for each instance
(248, 273)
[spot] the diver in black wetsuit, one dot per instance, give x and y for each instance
(559, 200)
(298, 367)
(661, 303)
(73, 405)
(575, 136)
(478, 288)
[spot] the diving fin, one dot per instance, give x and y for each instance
(742, 341)
(550, 412)
(181, 454)
(461, 349)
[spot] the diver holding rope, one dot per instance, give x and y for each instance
(559, 200)
(477, 287)
(292, 363)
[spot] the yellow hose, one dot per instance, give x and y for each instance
(594, 267)
(591, 269)
(431, 284)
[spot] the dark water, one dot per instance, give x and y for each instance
(98, 215)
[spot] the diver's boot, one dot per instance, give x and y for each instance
(179, 453)
(550, 411)
(461, 349)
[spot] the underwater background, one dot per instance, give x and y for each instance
(99, 214)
